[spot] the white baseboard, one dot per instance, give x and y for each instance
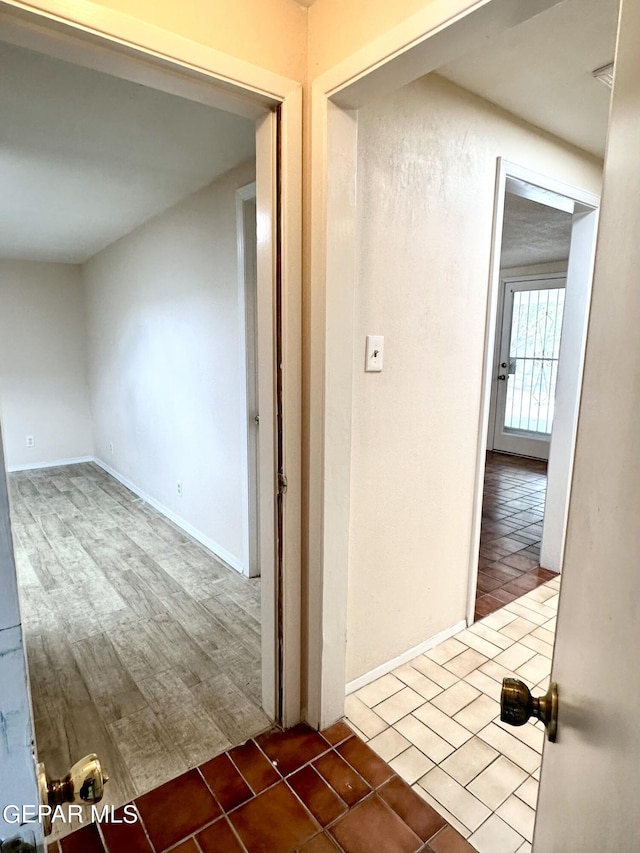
(405, 657)
(217, 550)
(31, 466)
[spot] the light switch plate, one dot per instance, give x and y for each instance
(374, 352)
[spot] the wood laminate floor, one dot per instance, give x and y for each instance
(142, 647)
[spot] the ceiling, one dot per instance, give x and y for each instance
(85, 157)
(533, 233)
(541, 70)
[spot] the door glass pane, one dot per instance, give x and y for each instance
(536, 325)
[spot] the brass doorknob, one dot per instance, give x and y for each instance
(84, 783)
(517, 706)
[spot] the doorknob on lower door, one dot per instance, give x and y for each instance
(517, 706)
(83, 784)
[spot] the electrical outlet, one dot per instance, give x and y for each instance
(31, 442)
(110, 447)
(179, 488)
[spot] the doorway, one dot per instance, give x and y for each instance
(200, 89)
(543, 266)
(123, 393)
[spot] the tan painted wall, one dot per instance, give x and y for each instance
(338, 28)
(426, 177)
(268, 33)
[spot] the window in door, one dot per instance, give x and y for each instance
(529, 353)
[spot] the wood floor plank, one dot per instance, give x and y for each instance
(187, 658)
(198, 557)
(137, 650)
(27, 576)
(191, 728)
(149, 571)
(149, 754)
(138, 595)
(232, 710)
(234, 617)
(198, 622)
(196, 581)
(114, 691)
(38, 616)
(242, 665)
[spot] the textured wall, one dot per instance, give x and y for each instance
(164, 340)
(426, 180)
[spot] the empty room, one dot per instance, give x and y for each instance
(129, 406)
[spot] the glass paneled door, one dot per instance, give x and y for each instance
(528, 365)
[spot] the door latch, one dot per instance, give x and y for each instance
(84, 783)
(517, 706)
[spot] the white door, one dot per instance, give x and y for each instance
(528, 365)
(17, 766)
(590, 786)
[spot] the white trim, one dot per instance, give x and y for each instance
(32, 466)
(569, 387)
(545, 182)
(405, 657)
(217, 550)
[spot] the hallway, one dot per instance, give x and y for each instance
(512, 513)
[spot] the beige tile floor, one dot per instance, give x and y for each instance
(436, 720)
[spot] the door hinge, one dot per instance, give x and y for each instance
(282, 483)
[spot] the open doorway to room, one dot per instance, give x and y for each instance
(130, 395)
(534, 255)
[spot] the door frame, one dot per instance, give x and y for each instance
(126, 47)
(426, 40)
(559, 469)
(247, 314)
(505, 280)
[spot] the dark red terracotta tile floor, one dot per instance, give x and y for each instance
(512, 512)
(300, 790)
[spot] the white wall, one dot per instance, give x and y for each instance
(426, 182)
(43, 377)
(163, 320)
